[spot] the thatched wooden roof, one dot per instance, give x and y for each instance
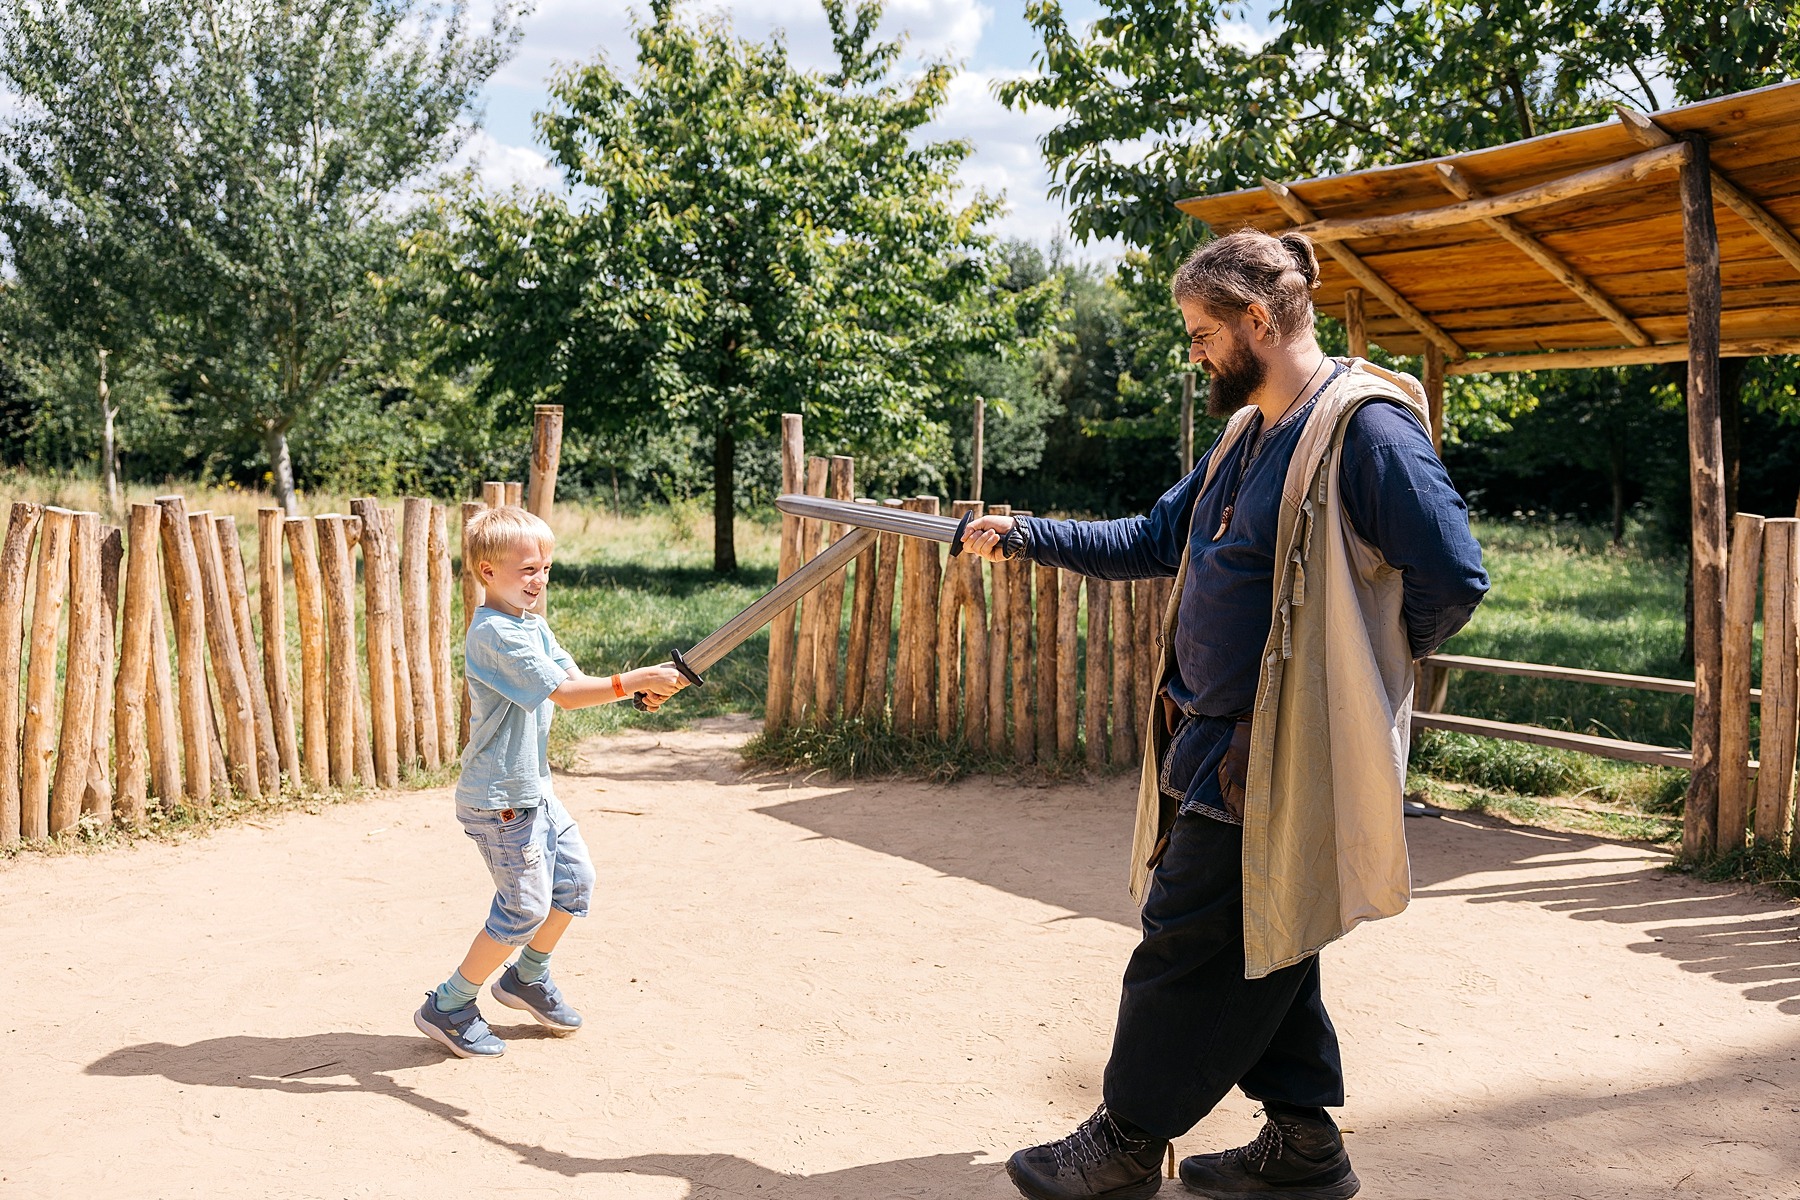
(1567, 242)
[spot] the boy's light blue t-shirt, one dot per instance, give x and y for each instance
(512, 665)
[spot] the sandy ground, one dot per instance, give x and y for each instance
(809, 990)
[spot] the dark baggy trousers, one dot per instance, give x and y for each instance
(1191, 1026)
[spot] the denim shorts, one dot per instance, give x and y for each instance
(538, 862)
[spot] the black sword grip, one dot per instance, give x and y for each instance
(641, 701)
(1012, 542)
(962, 526)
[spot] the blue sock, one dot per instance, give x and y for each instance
(533, 965)
(454, 993)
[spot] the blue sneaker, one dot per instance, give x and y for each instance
(462, 1032)
(541, 999)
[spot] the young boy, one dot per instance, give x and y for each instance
(516, 671)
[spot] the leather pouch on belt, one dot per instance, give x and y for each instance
(1234, 769)
(1171, 711)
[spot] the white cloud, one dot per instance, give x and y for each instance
(502, 167)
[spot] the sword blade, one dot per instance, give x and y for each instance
(876, 516)
(733, 633)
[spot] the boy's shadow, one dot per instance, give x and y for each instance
(324, 1063)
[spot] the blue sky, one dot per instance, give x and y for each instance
(990, 37)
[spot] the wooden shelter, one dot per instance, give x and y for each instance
(1653, 238)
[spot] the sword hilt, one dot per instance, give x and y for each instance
(962, 527)
(641, 701)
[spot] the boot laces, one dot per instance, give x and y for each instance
(1264, 1148)
(1096, 1139)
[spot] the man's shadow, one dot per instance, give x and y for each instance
(365, 1063)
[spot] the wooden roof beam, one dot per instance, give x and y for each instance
(1647, 131)
(1300, 212)
(1626, 356)
(1550, 260)
(1624, 173)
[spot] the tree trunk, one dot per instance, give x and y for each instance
(281, 469)
(1616, 468)
(109, 444)
(724, 501)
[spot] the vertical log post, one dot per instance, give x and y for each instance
(515, 494)
(1097, 668)
(493, 494)
(415, 612)
(237, 716)
(1049, 597)
(1068, 655)
(779, 692)
(1745, 565)
(1434, 393)
(546, 455)
(472, 597)
(438, 627)
(97, 799)
(979, 448)
(1187, 423)
(951, 602)
(272, 598)
(862, 621)
(39, 748)
(187, 610)
(840, 485)
(905, 703)
(1707, 489)
(15, 563)
(999, 607)
(378, 633)
(81, 679)
(309, 605)
(340, 624)
(881, 625)
(165, 726)
(131, 721)
(802, 703)
(1145, 611)
(1780, 680)
(975, 649)
(231, 557)
(924, 634)
(406, 726)
(1024, 697)
(1356, 324)
(1125, 721)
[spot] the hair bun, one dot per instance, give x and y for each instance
(1306, 259)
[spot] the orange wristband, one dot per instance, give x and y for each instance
(618, 688)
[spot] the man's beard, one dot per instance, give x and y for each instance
(1233, 380)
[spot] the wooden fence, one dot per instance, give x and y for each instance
(1016, 658)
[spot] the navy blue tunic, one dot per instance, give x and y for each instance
(1398, 498)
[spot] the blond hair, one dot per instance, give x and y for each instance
(494, 531)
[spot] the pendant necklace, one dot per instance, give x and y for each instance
(1251, 451)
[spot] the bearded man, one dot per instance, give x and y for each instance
(1318, 549)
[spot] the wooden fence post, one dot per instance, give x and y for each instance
(974, 691)
(862, 621)
(905, 704)
(131, 720)
(1744, 565)
(1780, 679)
(1048, 599)
(806, 654)
(415, 611)
(272, 598)
(15, 577)
(97, 799)
(406, 726)
(841, 486)
(231, 557)
(165, 725)
(39, 748)
(999, 605)
(378, 632)
(493, 494)
(780, 689)
(187, 611)
(1125, 722)
(881, 625)
(515, 494)
(924, 662)
(951, 601)
(309, 604)
(438, 547)
(546, 454)
(238, 717)
(81, 682)
(1098, 659)
(472, 597)
(1025, 698)
(1144, 609)
(1068, 652)
(341, 688)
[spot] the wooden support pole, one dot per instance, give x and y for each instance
(131, 719)
(1048, 598)
(1125, 720)
(97, 799)
(862, 624)
(1025, 692)
(231, 557)
(1707, 488)
(1356, 323)
(801, 704)
(1068, 652)
(309, 605)
(438, 626)
(924, 661)
(340, 626)
(81, 682)
(950, 677)
(406, 726)
(272, 598)
(1434, 394)
(979, 448)
(1187, 422)
(779, 692)
(415, 612)
(187, 611)
(378, 633)
(237, 717)
(1098, 663)
(905, 705)
(493, 494)
(165, 725)
(38, 751)
(15, 576)
(472, 597)
(546, 455)
(840, 485)
(515, 494)
(881, 625)
(998, 647)
(1780, 682)
(1743, 567)
(974, 660)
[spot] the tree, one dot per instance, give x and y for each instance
(750, 238)
(264, 147)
